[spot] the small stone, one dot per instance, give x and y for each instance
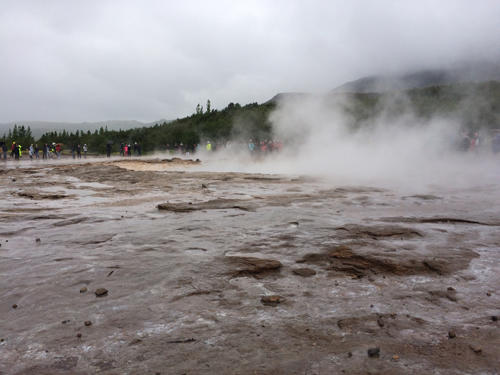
(88, 323)
(349, 354)
(451, 289)
(83, 289)
(271, 300)
(101, 292)
(2, 340)
(79, 335)
(374, 352)
(203, 186)
(14, 306)
(65, 321)
(494, 318)
(475, 348)
(380, 322)
(395, 357)
(38, 240)
(452, 334)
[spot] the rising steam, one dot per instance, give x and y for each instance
(393, 151)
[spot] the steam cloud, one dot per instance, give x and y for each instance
(403, 151)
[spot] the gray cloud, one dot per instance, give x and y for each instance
(96, 60)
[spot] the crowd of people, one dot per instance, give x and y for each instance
(473, 141)
(254, 147)
(469, 142)
(48, 151)
(126, 149)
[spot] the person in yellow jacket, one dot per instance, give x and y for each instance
(209, 146)
(20, 151)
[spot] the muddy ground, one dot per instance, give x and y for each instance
(234, 273)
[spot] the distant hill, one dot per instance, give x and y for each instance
(465, 72)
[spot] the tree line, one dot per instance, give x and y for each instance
(215, 125)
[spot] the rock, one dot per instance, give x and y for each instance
(101, 292)
(374, 352)
(494, 318)
(135, 342)
(65, 321)
(475, 348)
(304, 272)
(38, 240)
(395, 357)
(380, 322)
(88, 323)
(83, 289)
(271, 300)
(203, 186)
(349, 354)
(215, 204)
(245, 266)
(78, 335)
(488, 294)
(452, 334)
(14, 306)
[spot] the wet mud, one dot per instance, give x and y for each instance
(164, 267)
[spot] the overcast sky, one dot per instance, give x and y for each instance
(146, 60)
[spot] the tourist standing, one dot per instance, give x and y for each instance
(4, 150)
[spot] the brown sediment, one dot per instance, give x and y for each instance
(344, 260)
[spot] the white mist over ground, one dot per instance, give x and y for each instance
(406, 153)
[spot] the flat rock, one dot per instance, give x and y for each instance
(245, 266)
(272, 300)
(215, 204)
(304, 272)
